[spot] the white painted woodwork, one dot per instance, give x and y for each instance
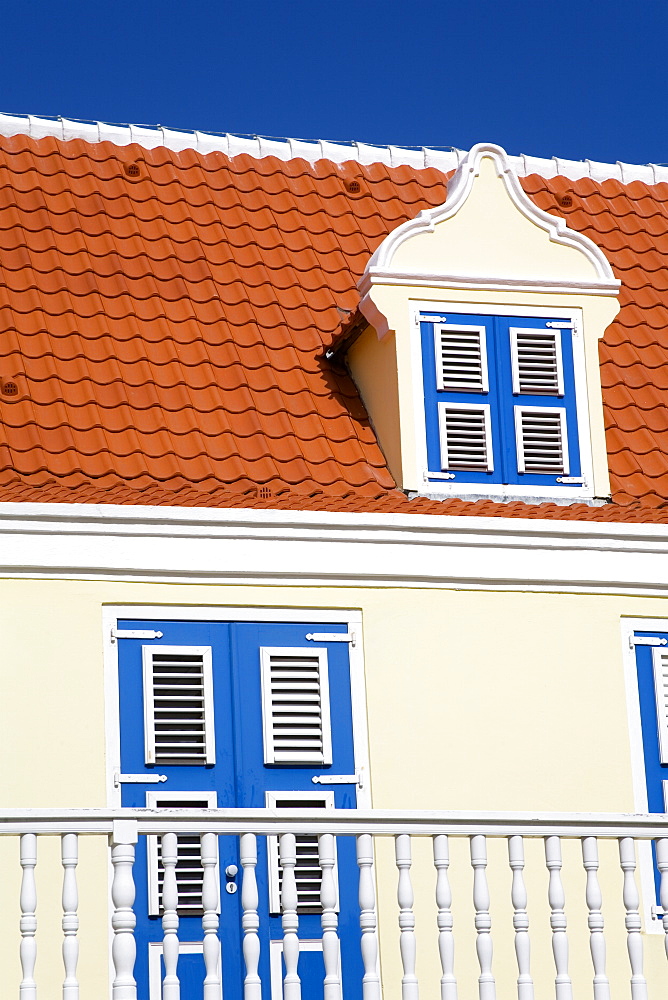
(189, 870)
(368, 918)
(536, 361)
(660, 666)
(69, 849)
(250, 920)
(178, 705)
(557, 899)
(483, 921)
(595, 920)
(465, 431)
(289, 918)
(662, 865)
(446, 939)
(461, 358)
(632, 921)
(295, 706)
(308, 874)
(124, 837)
(518, 895)
(329, 920)
(405, 899)
(28, 922)
(541, 438)
(210, 921)
(171, 989)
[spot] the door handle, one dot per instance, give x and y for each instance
(230, 874)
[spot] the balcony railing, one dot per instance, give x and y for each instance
(477, 878)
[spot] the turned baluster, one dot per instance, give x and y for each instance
(556, 900)
(368, 920)
(595, 919)
(662, 865)
(70, 855)
(329, 919)
(446, 941)
(123, 948)
(210, 921)
(483, 921)
(28, 922)
(627, 860)
(170, 918)
(409, 983)
(288, 858)
(250, 920)
(518, 895)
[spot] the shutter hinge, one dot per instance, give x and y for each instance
(134, 633)
(333, 637)
(561, 325)
(432, 319)
(646, 640)
(340, 779)
(138, 779)
(572, 480)
(437, 475)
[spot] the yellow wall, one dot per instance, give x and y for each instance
(476, 700)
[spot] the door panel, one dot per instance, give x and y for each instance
(308, 716)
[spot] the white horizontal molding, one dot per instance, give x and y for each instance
(484, 283)
(307, 548)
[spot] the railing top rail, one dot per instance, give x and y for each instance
(382, 822)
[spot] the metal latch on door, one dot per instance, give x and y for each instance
(340, 779)
(138, 779)
(332, 637)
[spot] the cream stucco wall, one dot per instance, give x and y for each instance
(476, 701)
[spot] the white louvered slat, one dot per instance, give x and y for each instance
(536, 361)
(660, 664)
(542, 444)
(466, 437)
(178, 699)
(461, 358)
(295, 704)
(308, 873)
(189, 868)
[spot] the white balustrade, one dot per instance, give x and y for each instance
(210, 921)
(171, 989)
(557, 900)
(518, 895)
(126, 827)
(446, 938)
(329, 919)
(483, 921)
(70, 923)
(28, 923)
(368, 919)
(627, 860)
(292, 989)
(250, 920)
(123, 949)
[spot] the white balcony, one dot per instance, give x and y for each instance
(447, 904)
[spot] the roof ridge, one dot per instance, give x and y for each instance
(444, 158)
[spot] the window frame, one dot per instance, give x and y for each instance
(439, 482)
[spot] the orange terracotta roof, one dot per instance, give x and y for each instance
(166, 332)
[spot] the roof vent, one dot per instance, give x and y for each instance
(353, 187)
(264, 493)
(565, 200)
(132, 169)
(10, 389)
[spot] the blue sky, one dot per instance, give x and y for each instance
(577, 78)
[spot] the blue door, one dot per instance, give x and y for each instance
(238, 714)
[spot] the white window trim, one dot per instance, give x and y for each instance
(149, 711)
(271, 755)
(153, 800)
(155, 952)
(485, 409)
(457, 489)
(514, 356)
(275, 956)
(519, 440)
(272, 843)
(460, 328)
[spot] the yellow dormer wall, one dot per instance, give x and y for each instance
(487, 248)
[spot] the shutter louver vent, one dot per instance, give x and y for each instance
(536, 362)
(296, 706)
(308, 873)
(178, 698)
(660, 662)
(461, 361)
(465, 437)
(541, 440)
(189, 870)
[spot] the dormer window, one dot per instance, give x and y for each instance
(501, 406)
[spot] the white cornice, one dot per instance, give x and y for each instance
(483, 283)
(460, 188)
(444, 159)
(303, 549)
